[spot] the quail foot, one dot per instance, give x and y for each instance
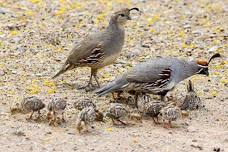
(191, 101)
(85, 118)
(99, 49)
(32, 104)
(169, 113)
(156, 76)
(56, 106)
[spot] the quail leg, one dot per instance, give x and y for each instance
(49, 116)
(38, 118)
(94, 73)
(170, 125)
(154, 120)
(90, 86)
(30, 117)
(123, 123)
(136, 100)
(157, 120)
(63, 118)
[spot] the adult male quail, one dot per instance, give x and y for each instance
(157, 76)
(56, 106)
(32, 104)
(170, 113)
(191, 100)
(99, 49)
(85, 117)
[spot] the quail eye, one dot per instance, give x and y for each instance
(122, 15)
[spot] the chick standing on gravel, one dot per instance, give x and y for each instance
(191, 100)
(56, 106)
(85, 103)
(149, 107)
(116, 111)
(32, 104)
(85, 117)
(170, 113)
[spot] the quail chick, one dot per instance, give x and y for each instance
(143, 101)
(85, 117)
(99, 49)
(79, 105)
(149, 107)
(56, 106)
(191, 100)
(85, 103)
(153, 109)
(157, 76)
(116, 111)
(32, 104)
(170, 113)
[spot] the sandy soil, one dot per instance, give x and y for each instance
(37, 35)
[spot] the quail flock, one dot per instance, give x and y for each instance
(155, 76)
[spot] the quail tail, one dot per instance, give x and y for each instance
(66, 66)
(112, 86)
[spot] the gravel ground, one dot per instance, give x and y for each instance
(37, 35)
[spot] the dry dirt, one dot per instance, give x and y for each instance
(37, 35)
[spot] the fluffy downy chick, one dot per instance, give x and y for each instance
(32, 104)
(149, 107)
(79, 105)
(117, 111)
(170, 113)
(55, 107)
(191, 100)
(85, 117)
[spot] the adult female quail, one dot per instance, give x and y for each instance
(56, 106)
(99, 49)
(157, 76)
(32, 104)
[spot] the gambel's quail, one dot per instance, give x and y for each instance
(157, 76)
(56, 106)
(170, 113)
(32, 104)
(81, 104)
(85, 117)
(191, 100)
(99, 49)
(117, 111)
(149, 107)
